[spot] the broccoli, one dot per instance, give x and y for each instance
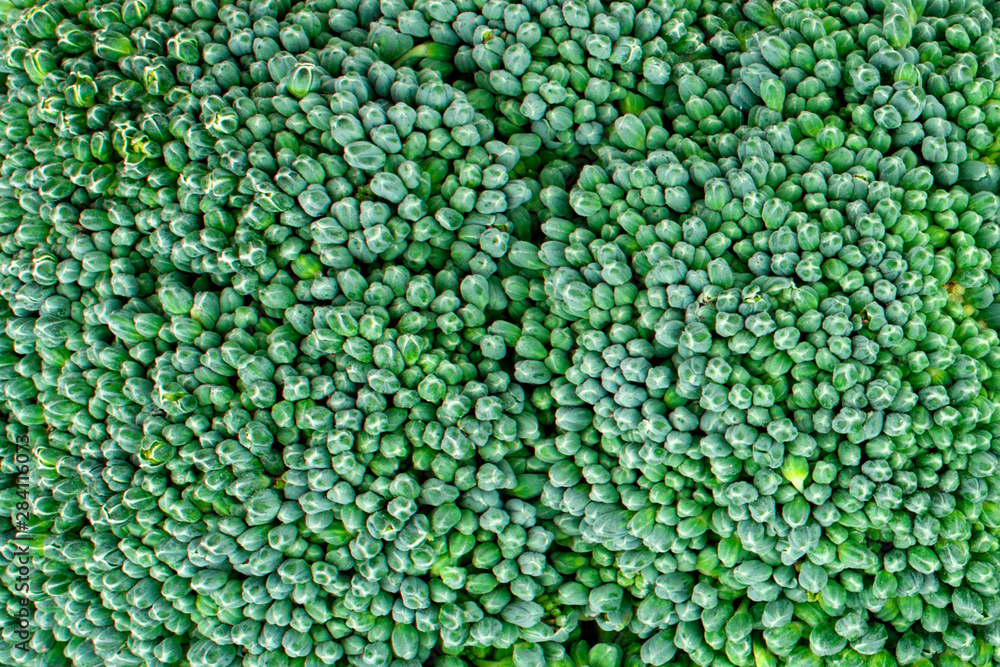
(473, 333)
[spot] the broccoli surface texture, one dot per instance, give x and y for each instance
(499, 333)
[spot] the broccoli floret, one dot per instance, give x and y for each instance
(487, 334)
